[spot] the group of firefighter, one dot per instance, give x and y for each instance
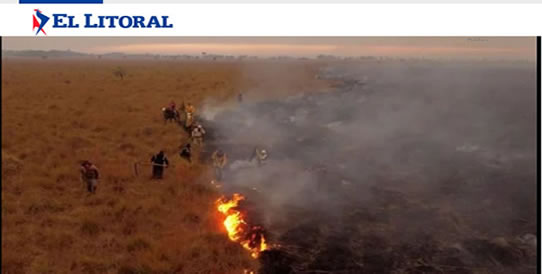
(195, 129)
(159, 161)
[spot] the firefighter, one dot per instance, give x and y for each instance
(159, 161)
(90, 175)
(173, 108)
(260, 155)
(189, 115)
(219, 161)
(197, 135)
(186, 152)
(189, 108)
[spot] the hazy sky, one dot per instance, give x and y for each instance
(447, 47)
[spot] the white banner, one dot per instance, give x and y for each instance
(271, 20)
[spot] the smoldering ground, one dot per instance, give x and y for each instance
(404, 168)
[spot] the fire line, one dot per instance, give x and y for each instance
(250, 237)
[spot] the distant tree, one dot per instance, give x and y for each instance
(119, 72)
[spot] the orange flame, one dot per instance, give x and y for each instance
(251, 238)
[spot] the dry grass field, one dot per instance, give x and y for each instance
(58, 112)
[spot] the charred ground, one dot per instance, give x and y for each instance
(404, 168)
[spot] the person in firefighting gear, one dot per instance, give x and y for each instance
(186, 152)
(219, 161)
(197, 135)
(89, 175)
(189, 112)
(189, 108)
(159, 161)
(260, 155)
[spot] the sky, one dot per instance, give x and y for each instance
(523, 48)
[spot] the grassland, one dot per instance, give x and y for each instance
(58, 112)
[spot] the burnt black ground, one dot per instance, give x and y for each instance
(404, 168)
